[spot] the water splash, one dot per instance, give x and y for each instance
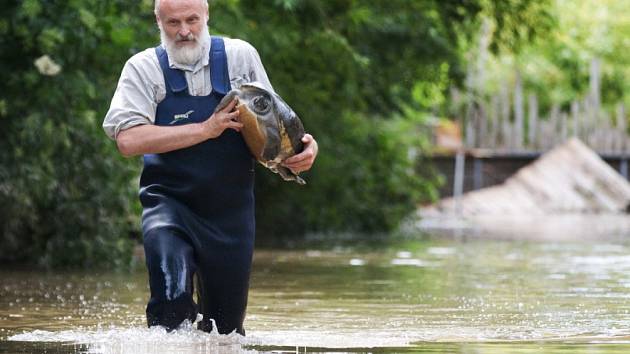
(152, 340)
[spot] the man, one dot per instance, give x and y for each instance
(196, 187)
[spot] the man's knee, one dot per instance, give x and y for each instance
(171, 265)
(170, 261)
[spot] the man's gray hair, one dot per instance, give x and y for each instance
(157, 6)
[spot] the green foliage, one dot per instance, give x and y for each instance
(364, 76)
(518, 22)
(555, 65)
(349, 68)
(65, 193)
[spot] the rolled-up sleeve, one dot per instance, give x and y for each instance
(134, 102)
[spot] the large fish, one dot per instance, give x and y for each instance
(271, 129)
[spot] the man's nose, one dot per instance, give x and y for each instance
(184, 31)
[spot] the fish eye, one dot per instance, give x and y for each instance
(261, 104)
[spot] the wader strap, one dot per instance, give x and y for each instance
(175, 79)
(219, 74)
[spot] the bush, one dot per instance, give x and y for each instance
(65, 192)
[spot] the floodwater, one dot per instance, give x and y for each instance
(415, 295)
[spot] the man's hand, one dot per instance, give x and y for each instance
(227, 118)
(154, 139)
(304, 160)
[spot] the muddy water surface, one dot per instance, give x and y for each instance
(422, 294)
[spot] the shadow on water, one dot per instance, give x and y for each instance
(420, 294)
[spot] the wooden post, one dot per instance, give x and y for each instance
(496, 122)
(592, 105)
(606, 139)
(563, 127)
(594, 84)
(505, 117)
(482, 119)
(547, 136)
(575, 117)
(622, 128)
(587, 122)
(458, 180)
(469, 128)
(554, 116)
(532, 127)
(519, 114)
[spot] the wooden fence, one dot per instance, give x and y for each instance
(510, 122)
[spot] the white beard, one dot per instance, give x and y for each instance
(186, 54)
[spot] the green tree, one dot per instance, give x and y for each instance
(65, 193)
(555, 64)
(364, 75)
(349, 68)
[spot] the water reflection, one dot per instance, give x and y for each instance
(414, 295)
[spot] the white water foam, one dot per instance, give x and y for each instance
(188, 340)
(156, 340)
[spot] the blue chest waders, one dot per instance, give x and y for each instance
(198, 212)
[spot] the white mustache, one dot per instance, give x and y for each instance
(180, 38)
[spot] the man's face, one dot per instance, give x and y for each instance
(183, 27)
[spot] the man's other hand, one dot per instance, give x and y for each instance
(304, 160)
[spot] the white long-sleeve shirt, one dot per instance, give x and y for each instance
(141, 86)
